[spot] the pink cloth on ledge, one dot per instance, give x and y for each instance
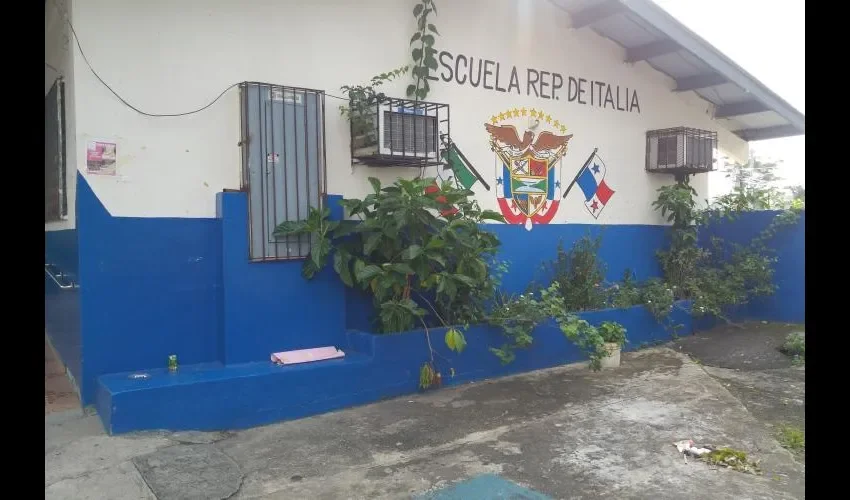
(306, 355)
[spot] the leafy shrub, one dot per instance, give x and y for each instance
(728, 274)
(658, 297)
(415, 252)
(626, 293)
(518, 316)
(580, 274)
(795, 346)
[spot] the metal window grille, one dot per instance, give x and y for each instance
(398, 132)
(283, 164)
(55, 162)
(421, 139)
(680, 151)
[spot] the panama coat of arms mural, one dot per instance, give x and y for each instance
(528, 168)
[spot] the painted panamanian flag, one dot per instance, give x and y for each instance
(592, 183)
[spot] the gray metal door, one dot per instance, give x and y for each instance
(285, 163)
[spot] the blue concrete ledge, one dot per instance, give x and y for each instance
(213, 396)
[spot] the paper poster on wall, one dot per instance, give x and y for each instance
(101, 158)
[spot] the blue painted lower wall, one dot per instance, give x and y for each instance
(268, 306)
(211, 397)
(154, 287)
(62, 306)
(149, 287)
(788, 303)
(528, 254)
(623, 247)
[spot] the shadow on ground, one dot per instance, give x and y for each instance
(560, 433)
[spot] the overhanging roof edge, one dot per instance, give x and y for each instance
(690, 41)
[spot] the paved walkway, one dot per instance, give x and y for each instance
(559, 433)
(745, 358)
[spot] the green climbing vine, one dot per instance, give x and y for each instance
(423, 52)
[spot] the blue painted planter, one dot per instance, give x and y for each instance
(400, 352)
(216, 396)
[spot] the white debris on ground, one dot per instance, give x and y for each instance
(687, 447)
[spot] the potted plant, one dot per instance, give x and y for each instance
(614, 336)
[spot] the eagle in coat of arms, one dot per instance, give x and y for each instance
(527, 168)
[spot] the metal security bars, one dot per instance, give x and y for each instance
(283, 164)
(398, 132)
(55, 197)
(680, 151)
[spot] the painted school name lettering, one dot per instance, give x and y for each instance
(491, 75)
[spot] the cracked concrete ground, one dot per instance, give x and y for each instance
(564, 432)
(745, 358)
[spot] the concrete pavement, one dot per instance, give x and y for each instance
(559, 433)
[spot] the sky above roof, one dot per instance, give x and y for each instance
(768, 39)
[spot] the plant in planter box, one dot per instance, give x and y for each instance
(626, 293)
(580, 274)
(614, 336)
(362, 108)
(727, 275)
(422, 264)
(518, 316)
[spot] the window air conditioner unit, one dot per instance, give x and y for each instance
(398, 132)
(408, 132)
(680, 151)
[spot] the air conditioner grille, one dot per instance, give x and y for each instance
(407, 133)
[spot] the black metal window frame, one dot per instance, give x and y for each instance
(52, 167)
(247, 135)
(680, 151)
(382, 114)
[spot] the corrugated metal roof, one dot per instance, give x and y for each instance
(648, 33)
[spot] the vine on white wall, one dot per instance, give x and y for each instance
(424, 54)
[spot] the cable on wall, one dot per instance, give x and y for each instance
(124, 101)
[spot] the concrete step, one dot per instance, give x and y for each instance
(212, 396)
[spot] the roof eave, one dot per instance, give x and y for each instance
(687, 39)
(766, 133)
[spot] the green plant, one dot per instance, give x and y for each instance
(658, 297)
(798, 196)
(518, 316)
(409, 257)
(579, 274)
(422, 264)
(684, 258)
(613, 333)
(728, 274)
(755, 187)
(731, 458)
(425, 55)
(626, 293)
(795, 346)
(791, 437)
(586, 337)
(361, 108)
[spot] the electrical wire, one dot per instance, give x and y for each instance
(124, 101)
(52, 67)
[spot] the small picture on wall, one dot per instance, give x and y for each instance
(101, 158)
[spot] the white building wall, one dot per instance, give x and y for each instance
(58, 54)
(169, 57)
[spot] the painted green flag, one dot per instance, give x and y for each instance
(464, 172)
